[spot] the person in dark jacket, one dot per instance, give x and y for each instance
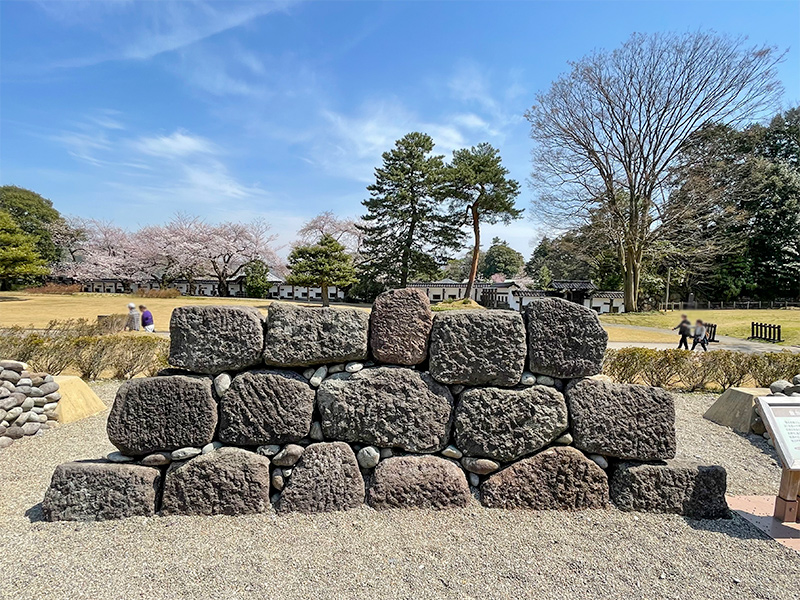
(685, 330)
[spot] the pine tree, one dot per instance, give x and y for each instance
(323, 264)
(406, 232)
(479, 189)
(18, 256)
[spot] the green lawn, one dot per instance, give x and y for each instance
(734, 323)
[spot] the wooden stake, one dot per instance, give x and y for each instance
(788, 499)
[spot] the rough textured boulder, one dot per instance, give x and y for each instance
(387, 407)
(418, 482)
(505, 424)
(301, 336)
(155, 414)
(477, 347)
(228, 481)
(400, 324)
(625, 421)
(212, 339)
(266, 407)
(555, 479)
(96, 491)
(325, 479)
(675, 486)
(565, 339)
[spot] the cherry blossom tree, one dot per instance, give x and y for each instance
(343, 231)
(228, 247)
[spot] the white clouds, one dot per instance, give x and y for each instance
(178, 169)
(177, 144)
(144, 30)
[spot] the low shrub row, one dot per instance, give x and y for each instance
(55, 288)
(89, 349)
(695, 371)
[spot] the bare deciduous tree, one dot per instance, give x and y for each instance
(608, 132)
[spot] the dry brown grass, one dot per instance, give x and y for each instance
(37, 310)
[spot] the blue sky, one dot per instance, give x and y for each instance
(132, 111)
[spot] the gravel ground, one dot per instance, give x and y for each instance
(470, 553)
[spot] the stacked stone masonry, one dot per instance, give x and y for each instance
(28, 402)
(326, 409)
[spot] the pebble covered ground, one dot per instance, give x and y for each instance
(469, 553)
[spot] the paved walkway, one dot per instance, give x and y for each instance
(725, 342)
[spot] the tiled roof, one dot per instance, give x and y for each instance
(573, 284)
(606, 294)
(530, 293)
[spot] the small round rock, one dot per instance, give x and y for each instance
(318, 376)
(368, 457)
(211, 447)
(599, 460)
(528, 378)
(564, 440)
(316, 432)
(452, 452)
(354, 367)
(474, 480)
(119, 457)
(479, 466)
(221, 383)
(270, 450)
(287, 457)
(185, 453)
(157, 459)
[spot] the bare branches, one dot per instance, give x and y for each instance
(607, 133)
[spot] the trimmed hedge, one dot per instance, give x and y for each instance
(694, 371)
(90, 349)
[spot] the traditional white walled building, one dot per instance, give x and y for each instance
(208, 287)
(606, 301)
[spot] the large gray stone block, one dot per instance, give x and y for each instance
(400, 324)
(477, 347)
(505, 424)
(675, 486)
(634, 422)
(325, 479)
(227, 481)
(157, 414)
(212, 339)
(388, 407)
(300, 335)
(565, 339)
(266, 407)
(555, 479)
(97, 490)
(418, 482)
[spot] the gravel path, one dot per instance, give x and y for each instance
(471, 553)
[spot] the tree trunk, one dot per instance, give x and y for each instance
(406, 257)
(476, 250)
(325, 300)
(222, 287)
(631, 276)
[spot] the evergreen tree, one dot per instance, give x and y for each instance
(479, 189)
(18, 256)
(544, 278)
(406, 233)
(256, 282)
(323, 264)
(33, 214)
(502, 258)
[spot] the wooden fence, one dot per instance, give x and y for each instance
(765, 331)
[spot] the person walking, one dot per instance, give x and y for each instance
(147, 319)
(700, 336)
(685, 330)
(134, 321)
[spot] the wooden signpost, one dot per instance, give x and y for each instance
(781, 415)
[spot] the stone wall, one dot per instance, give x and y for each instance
(28, 401)
(322, 409)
